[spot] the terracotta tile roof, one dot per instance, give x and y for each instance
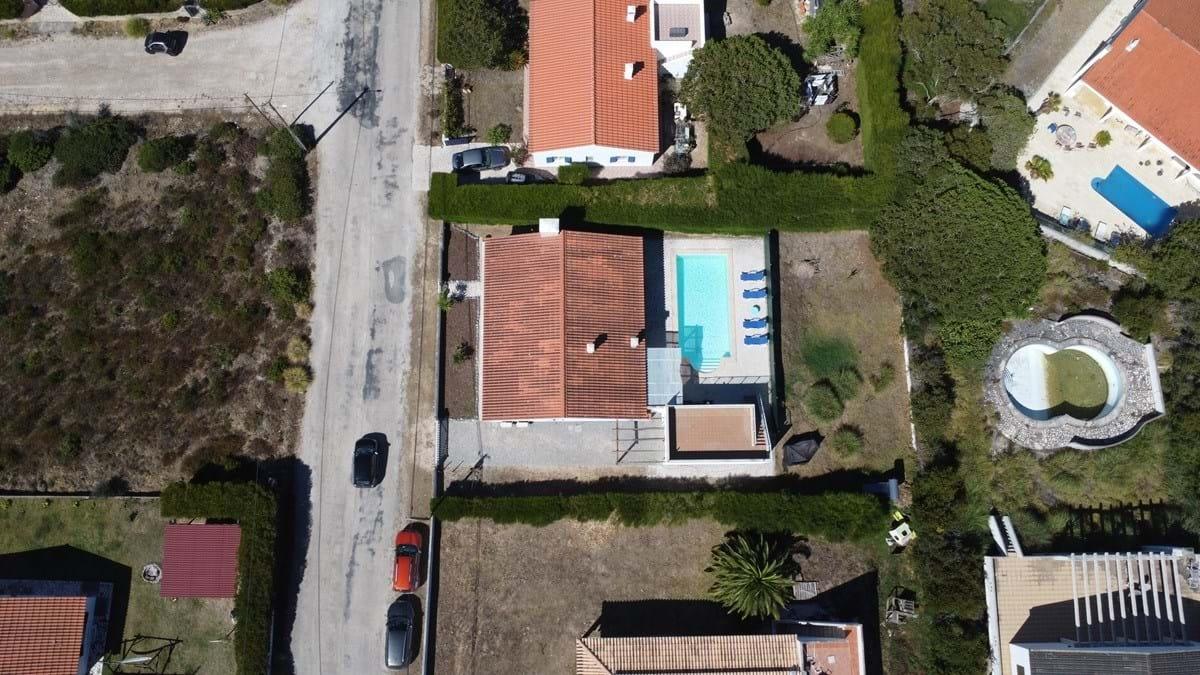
(578, 94)
(40, 635)
(1153, 83)
(544, 299)
(200, 561)
(743, 654)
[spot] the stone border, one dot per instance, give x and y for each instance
(1141, 399)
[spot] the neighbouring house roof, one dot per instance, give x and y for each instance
(544, 299)
(578, 94)
(754, 654)
(41, 635)
(1153, 82)
(200, 561)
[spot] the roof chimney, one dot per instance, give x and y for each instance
(548, 227)
(1132, 45)
(631, 13)
(629, 71)
(591, 347)
(634, 342)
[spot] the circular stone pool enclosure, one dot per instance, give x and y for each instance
(1079, 383)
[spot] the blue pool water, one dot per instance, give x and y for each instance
(1135, 200)
(702, 289)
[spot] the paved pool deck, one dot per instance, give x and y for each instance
(746, 364)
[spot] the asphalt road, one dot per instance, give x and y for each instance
(370, 246)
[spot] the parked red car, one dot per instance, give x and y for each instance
(407, 574)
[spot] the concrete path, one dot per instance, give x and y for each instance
(372, 352)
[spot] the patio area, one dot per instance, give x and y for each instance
(1076, 165)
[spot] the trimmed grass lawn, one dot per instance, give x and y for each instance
(1075, 382)
(127, 532)
(841, 321)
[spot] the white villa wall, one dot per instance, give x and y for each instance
(598, 155)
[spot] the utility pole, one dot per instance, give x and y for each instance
(290, 130)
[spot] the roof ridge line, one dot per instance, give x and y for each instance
(1165, 27)
(595, 135)
(595, 657)
(562, 298)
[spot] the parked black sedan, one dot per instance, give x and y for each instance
(368, 462)
(480, 159)
(168, 42)
(400, 639)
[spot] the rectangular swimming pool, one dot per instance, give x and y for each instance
(1146, 209)
(702, 291)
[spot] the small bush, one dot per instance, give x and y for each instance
(276, 368)
(9, 176)
(160, 154)
(1103, 138)
(846, 442)
(70, 446)
(224, 131)
(822, 402)
(288, 285)
(825, 356)
(137, 27)
(463, 352)
(841, 127)
(846, 382)
(29, 150)
(499, 134)
(100, 146)
(1140, 310)
(296, 379)
(185, 168)
(885, 376)
(574, 174)
(284, 192)
(297, 350)
(453, 118)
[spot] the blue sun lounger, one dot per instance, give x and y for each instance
(756, 275)
(754, 323)
(754, 293)
(757, 339)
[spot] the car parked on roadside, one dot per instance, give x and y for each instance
(166, 42)
(525, 177)
(400, 637)
(406, 575)
(368, 462)
(480, 159)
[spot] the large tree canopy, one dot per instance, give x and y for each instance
(1009, 124)
(741, 85)
(953, 51)
(480, 33)
(1170, 263)
(963, 251)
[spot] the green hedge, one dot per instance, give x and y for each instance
(253, 507)
(838, 516)
(735, 198)
(122, 7)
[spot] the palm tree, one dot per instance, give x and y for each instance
(751, 577)
(1039, 168)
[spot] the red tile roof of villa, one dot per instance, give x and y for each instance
(578, 94)
(200, 561)
(544, 299)
(41, 635)
(1153, 82)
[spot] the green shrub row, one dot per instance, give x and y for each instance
(736, 199)
(838, 516)
(99, 146)
(284, 193)
(122, 7)
(253, 507)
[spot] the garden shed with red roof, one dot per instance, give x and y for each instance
(200, 561)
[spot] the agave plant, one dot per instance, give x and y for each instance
(751, 577)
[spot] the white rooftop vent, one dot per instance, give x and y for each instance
(591, 347)
(1132, 45)
(634, 342)
(548, 227)
(631, 13)
(629, 71)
